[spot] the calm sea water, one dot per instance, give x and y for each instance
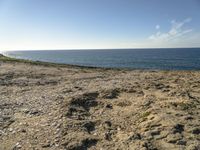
(161, 59)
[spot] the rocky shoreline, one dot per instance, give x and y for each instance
(75, 108)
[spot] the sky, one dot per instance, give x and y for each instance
(98, 24)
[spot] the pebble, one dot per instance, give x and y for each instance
(189, 118)
(53, 124)
(151, 133)
(173, 138)
(181, 142)
(108, 124)
(23, 130)
(46, 145)
(108, 136)
(135, 136)
(178, 128)
(196, 131)
(109, 106)
(10, 129)
(34, 112)
(95, 133)
(1, 132)
(26, 111)
(20, 123)
(17, 146)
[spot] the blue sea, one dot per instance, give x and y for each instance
(154, 59)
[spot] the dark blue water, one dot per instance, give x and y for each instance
(161, 59)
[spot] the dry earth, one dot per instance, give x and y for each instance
(76, 108)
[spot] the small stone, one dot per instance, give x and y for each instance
(108, 123)
(178, 128)
(147, 103)
(156, 132)
(89, 126)
(47, 144)
(181, 142)
(173, 138)
(13, 132)
(152, 133)
(26, 111)
(17, 146)
(10, 129)
(110, 94)
(58, 125)
(196, 131)
(109, 106)
(23, 130)
(189, 118)
(1, 132)
(108, 136)
(53, 124)
(34, 112)
(118, 129)
(95, 134)
(135, 136)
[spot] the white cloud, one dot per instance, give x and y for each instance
(157, 26)
(176, 31)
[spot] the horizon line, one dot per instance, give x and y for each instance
(96, 49)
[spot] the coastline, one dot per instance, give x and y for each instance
(131, 59)
(58, 106)
(4, 58)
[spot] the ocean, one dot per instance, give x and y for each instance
(154, 59)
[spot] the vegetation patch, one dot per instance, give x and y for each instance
(144, 115)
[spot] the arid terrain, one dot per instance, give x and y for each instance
(77, 108)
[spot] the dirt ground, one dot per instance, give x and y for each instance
(74, 108)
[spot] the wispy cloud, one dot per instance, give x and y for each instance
(176, 31)
(179, 35)
(157, 26)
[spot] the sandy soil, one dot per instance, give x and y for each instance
(79, 108)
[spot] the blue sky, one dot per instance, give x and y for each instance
(83, 24)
